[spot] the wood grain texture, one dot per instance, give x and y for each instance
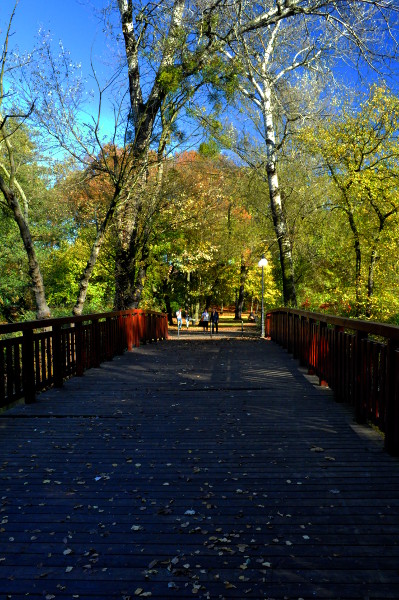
(197, 467)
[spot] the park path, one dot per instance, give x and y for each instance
(196, 467)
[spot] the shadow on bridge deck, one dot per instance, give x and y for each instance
(198, 466)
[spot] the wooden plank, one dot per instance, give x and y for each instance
(213, 469)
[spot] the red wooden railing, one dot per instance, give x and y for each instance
(359, 360)
(38, 354)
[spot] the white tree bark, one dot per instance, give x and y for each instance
(279, 220)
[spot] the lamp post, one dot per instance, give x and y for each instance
(262, 263)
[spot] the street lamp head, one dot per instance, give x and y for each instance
(263, 262)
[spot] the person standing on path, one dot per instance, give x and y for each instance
(179, 319)
(205, 320)
(214, 321)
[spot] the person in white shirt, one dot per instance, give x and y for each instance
(178, 317)
(205, 320)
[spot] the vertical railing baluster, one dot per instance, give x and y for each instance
(28, 368)
(322, 349)
(79, 348)
(58, 371)
(392, 403)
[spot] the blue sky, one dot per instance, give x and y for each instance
(73, 21)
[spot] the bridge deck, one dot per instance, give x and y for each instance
(201, 467)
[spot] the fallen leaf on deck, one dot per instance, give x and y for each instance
(229, 585)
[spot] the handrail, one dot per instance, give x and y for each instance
(46, 352)
(358, 360)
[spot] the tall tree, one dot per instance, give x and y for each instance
(11, 189)
(359, 149)
(273, 60)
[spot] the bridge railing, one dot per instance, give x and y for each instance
(358, 360)
(35, 355)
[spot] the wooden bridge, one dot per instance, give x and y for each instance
(198, 466)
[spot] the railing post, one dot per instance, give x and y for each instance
(291, 333)
(360, 413)
(129, 331)
(392, 403)
(28, 367)
(120, 335)
(136, 329)
(268, 327)
(295, 323)
(57, 356)
(302, 341)
(165, 327)
(79, 348)
(322, 351)
(96, 343)
(311, 343)
(111, 339)
(336, 353)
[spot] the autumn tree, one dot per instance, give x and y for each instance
(197, 207)
(359, 150)
(210, 241)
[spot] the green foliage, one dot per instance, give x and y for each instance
(222, 75)
(209, 149)
(358, 148)
(170, 79)
(15, 295)
(62, 268)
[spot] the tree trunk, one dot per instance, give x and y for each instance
(374, 255)
(187, 300)
(128, 283)
(165, 295)
(279, 221)
(370, 281)
(373, 262)
(95, 251)
(42, 309)
(168, 309)
(125, 272)
(358, 262)
(139, 284)
(241, 294)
